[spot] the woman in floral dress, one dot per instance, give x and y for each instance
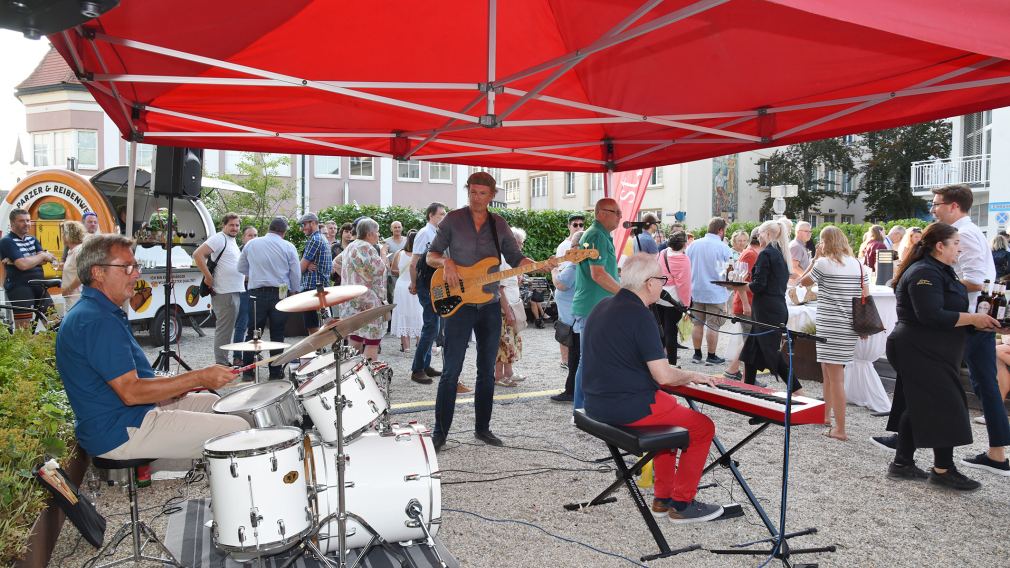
(361, 263)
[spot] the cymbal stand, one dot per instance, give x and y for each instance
(257, 334)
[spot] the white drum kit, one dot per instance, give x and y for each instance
(354, 480)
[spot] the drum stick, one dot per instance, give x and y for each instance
(252, 366)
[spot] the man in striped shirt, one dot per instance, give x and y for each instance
(23, 258)
(316, 264)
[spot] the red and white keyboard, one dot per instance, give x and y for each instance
(754, 401)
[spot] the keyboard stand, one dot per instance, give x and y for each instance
(784, 552)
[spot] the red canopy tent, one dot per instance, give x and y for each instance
(579, 85)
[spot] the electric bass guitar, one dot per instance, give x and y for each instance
(446, 300)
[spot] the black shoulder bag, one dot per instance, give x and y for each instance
(206, 290)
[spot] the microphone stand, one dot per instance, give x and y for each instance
(779, 540)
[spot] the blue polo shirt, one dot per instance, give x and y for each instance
(620, 338)
(94, 346)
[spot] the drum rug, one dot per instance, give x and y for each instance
(188, 537)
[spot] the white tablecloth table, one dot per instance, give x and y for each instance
(862, 383)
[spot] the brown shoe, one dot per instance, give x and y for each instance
(420, 377)
(461, 388)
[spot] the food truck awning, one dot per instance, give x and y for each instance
(580, 85)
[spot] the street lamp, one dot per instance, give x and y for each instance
(779, 193)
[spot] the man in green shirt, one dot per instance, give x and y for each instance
(595, 279)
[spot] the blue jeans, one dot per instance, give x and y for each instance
(429, 329)
(484, 322)
(241, 322)
(980, 355)
(579, 399)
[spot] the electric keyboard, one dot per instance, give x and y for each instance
(754, 401)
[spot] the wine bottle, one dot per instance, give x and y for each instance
(999, 303)
(984, 304)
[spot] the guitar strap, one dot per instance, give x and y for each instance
(494, 232)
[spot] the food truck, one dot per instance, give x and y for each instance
(52, 196)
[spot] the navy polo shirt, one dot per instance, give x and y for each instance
(620, 338)
(94, 346)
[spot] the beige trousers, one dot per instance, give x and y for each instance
(177, 429)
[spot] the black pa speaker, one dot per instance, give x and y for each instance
(178, 172)
(36, 18)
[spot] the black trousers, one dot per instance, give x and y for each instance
(669, 318)
(263, 303)
(574, 354)
(943, 458)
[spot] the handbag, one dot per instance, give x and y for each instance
(206, 290)
(670, 289)
(564, 334)
(865, 317)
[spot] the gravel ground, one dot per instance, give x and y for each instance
(504, 506)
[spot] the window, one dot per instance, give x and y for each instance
(764, 173)
(848, 219)
(569, 184)
(439, 173)
(53, 149)
(538, 186)
(812, 219)
(828, 218)
(362, 168)
(830, 178)
(495, 172)
(657, 177)
(326, 166)
(848, 139)
(512, 191)
(595, 182)
(976, 133)
(145, 156)
(846, 184)
(408, 171)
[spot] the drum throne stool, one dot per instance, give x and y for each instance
(134, 527)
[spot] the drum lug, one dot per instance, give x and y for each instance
(349, 484)
(280, 527)
(411, 477)
(308, 514)
(411, 524)
(234, 469)
(402, 435)
(273, 463)
(436, 475)
(301, 453)
(241, 534)
(255, 517)
(373, 406)
(361, 383)
(214, 531)
(435, 521)
(325, 402)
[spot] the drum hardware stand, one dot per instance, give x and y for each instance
(413, 511)
(166, 355)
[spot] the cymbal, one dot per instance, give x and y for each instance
(310, 299)
(332, 332)
(254, 345)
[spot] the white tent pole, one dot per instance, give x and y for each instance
(324, 135)
(492, 38)
(641, 153)
(78, 65)
(115, 91)
(131, 188)
(242, 82)
(447, 127)
(561, 70)
(604, 43)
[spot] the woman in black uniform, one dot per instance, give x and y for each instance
(930, 409)
(769, 279)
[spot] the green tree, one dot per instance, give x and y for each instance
(811, 166)
(271, 195)
(886, 184)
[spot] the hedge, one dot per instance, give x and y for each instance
(853, 231)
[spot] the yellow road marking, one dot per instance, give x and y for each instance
(469, 399)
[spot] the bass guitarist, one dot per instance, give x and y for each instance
(466, 236)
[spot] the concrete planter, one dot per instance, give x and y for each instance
(48, 525)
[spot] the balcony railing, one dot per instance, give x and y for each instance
(972, 170)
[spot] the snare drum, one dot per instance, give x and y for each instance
(263, 405)
(365, 402)
(258, 491)
(384, 472)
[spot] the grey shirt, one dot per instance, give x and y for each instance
(458, 239)
(270, 261)
(798, 251)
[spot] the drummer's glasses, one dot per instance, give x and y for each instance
(129, 268)
(663, 279)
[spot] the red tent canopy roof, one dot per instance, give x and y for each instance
(544, 84)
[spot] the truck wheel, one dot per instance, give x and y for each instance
(157, 328)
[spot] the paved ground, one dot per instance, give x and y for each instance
(503, 506)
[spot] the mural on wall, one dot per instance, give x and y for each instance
(725, 199)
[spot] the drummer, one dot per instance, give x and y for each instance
(119, 413)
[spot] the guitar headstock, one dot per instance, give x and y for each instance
(580, 254)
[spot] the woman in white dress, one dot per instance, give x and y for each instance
(407, 316)
(839, 279)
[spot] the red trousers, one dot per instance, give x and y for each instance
(678, 479)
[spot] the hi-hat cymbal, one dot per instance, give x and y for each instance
(313, 300)
(332, 332)
(255, 345)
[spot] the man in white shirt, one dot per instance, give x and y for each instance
(576, 222)
(224, 279)
(708, 255)
(951, 205)
(421, 371)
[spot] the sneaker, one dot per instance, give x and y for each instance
(696, 512)
(463, 389)
(564, 366)
(713, 359)
(886, 443)
(909, 472)
(563, 397)
(980, 420)
(982, 461)
(420, 377)
(737, 376)
(661, 507)
(679, 346)
(953, 479)
(696, 358)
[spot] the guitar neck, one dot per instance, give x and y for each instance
(501, 275)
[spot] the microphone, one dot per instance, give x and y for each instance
(666, 297)
(635, 224)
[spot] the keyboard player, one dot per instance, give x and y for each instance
(625, 364)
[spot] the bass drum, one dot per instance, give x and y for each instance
(384, 473)
(258, 491)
